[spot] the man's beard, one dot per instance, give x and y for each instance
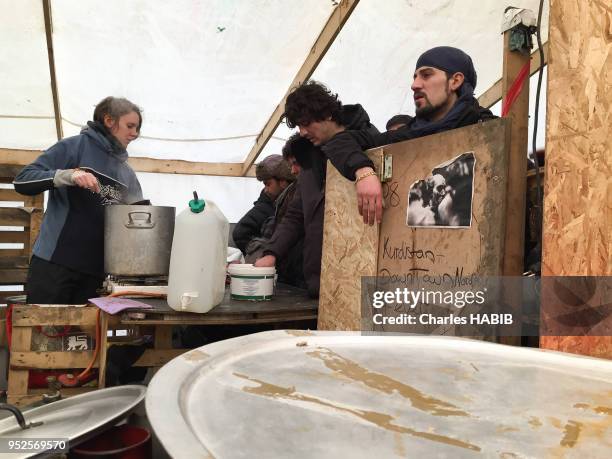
(428, 110)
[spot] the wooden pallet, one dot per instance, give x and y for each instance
(23, 358)
(27, 219)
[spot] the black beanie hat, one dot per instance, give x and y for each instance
(450, 60)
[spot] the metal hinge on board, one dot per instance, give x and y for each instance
(387, 168)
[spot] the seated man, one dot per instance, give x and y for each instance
(443, 87)
(319, 115)
(275, 173)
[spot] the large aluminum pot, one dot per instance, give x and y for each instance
(138, 240)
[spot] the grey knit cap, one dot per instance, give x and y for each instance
(274, 166)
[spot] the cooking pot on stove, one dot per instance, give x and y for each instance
(138, 239)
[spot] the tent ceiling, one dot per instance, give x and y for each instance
(209, 73)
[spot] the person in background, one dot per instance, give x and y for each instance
(83, 174)
(319, 115)
(398, 121)
(275, 173)
(290, 267)
(443, 89)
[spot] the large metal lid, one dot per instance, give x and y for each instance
(76, 418)
(329, 394)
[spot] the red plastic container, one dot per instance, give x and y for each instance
(120, 442)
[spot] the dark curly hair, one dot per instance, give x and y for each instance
(311, 101)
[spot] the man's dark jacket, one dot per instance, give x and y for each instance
(250, 224)
(304, 218)
(348, 146)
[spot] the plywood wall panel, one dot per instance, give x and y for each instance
(577, 223)
(352, 250)
(349, 252)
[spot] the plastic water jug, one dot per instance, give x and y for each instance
(196, 282)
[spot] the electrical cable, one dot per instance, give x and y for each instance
(539, 201)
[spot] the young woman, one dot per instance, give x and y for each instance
(83, 174)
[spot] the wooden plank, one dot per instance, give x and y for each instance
(102, 357)
(14, 216)
(328, 34)
(514, 239)
(7, 194)
(163, 337)
(18, 379)
(13, 276)
(12, 252)
(495, 93)
(14, 237)
(158, 357)
(577, 211)
(31, 315)
(9, 169)
(51, 360)
(227, 320)
(35, 223)
(14, 262)
(49, 36)
(14, 160)
(175, 166)
(4, 294)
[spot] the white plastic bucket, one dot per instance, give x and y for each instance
(251, 283)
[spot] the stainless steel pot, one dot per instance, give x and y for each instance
(138, 240)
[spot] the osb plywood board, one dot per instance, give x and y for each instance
(349, 252)
(577, 204)
(475, 249)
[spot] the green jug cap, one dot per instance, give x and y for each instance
(196, 205)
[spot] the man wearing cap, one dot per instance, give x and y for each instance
(275, 173)
(443, 88)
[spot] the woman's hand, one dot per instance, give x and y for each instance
(85, 180)
(369, 195)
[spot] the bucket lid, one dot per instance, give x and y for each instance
(246, 269)
(76, 418)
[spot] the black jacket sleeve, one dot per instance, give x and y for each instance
(346, 153)
(250, 224)
(290, 229)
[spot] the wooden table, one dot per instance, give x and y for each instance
(289, 304)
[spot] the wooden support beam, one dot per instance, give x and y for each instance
(49, 36)
(13, 160)
(494, 94)
(327, 36)
(514, 235)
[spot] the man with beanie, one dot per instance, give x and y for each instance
(443, 88)
(275, 173)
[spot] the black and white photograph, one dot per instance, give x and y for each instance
(444, 198)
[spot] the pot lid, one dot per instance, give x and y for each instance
(331, 394)
(76, 418)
